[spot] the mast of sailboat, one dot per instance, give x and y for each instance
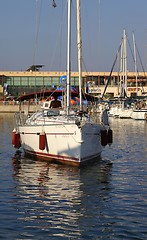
(135, 63)
(121, 70)
(79, 46)
(68, 55)
(123, 81)
(125, 63)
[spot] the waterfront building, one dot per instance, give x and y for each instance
(32, 80)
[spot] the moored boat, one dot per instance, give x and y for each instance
(139, 114)
(57, 133)
(51, 134)
(140, 110)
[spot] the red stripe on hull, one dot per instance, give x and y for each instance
(60, 159)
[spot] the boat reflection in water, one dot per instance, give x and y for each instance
(61, 200)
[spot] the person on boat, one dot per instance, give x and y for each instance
(55, 103)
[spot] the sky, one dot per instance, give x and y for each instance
(33, 32)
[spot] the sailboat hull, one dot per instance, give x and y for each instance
(65, 143)
(139, 114)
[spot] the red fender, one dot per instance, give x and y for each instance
(17, 143)
(42, 140)
(110, 137)
(104, 139)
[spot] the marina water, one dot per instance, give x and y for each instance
(106, 200)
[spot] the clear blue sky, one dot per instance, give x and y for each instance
(33, 32)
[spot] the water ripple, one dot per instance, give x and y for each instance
(104, 201)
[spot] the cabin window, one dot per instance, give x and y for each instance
(46, 105)
(53, 113)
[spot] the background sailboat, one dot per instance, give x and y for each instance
(122, 109)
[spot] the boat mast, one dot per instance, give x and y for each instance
(123, 82)
(79, 46)
(68, 55)
(121, 71)
(135, 63)
(125, 62)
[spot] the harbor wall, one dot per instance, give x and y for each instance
(10, 108)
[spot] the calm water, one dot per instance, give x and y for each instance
(107, 200)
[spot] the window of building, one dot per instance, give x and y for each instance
(17, 81)
(24, 81)
(10, 81)
(55, 81)
(39, 81)
(48, 81)
(32, 81)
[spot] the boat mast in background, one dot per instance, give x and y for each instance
(123, 66)
(135, 63)
(125, 62)
(79, 46)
